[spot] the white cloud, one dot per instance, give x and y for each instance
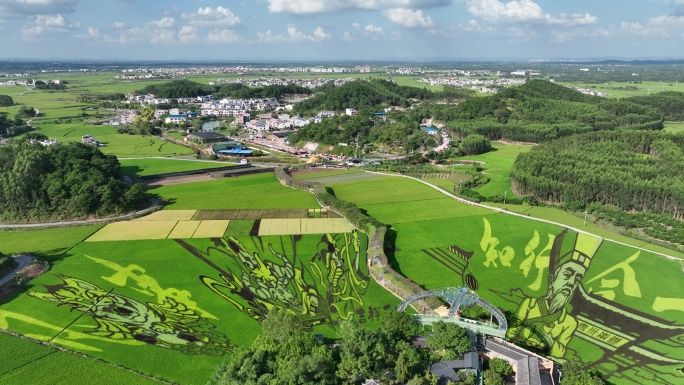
(47, 24)
(14, 8)
(223, 36)
(187, 34)
(326, 6)
(408, 18)
(163, 23)
(294, 35)
(93, 32)
(209, 17)
(524, 11)
(663, 26)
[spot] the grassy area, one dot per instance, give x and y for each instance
(48, 244)
(440, 242)
(674, 126)
(245, 192)
(27, 362)
(627, 89)
(497, 166)
(154, 166)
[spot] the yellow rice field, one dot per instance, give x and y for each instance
(211, 229)
(184, 229)
(133, 230)
(304, 226)
(157, 229)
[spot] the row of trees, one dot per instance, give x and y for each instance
(66, 181)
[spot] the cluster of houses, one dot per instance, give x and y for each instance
(151, 99)
(268, 122)
(237, 107)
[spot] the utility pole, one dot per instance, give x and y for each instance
(505, 196)
(585, 218)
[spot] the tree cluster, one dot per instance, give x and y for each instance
(66, 181)
(574, 375)
(41, 85)
(14, 127)
(369, 95)
(540, 111)
(632, 170)
(286, 353)
(6, 100)
(189, 89)
(669, 104)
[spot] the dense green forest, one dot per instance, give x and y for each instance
(669, 104)
(400, 132)
(633, 179)
(539, 111)
(188, 89)
(65, 181)
(369, 95)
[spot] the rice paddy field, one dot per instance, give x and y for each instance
(570, 295)
(169, 296)
(156, 166)
(497, 166)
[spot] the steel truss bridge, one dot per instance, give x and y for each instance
(460, 297)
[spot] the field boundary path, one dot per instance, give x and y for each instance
(503, 211)
(155, 205)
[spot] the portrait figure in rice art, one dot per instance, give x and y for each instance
(545, 321)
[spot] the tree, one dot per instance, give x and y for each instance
(6, 100)
(493, 378)
(475, 144)
(502, 367)
(574, 375)
(448, 340)
(398, 324)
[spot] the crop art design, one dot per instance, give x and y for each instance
(257, 276)
(168, 324)
(170, 319)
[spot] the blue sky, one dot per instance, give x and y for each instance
(341, 29)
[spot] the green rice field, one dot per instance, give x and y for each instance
(618, 315)
(497, 166)
(170, 308)
(155, 166)
(245, 192)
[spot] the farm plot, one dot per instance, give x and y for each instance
(169, 215)
(159, 229)
(166, 307)
(261, 191)
(156, 166)
(255, 214)
(26, 361)
(339, 176)
(304, 226)
(570, 295)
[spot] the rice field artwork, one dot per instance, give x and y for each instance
(260, 274)
(581, 299)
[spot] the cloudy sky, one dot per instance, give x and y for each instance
(341, 29)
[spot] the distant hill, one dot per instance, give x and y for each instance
(539, 111)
